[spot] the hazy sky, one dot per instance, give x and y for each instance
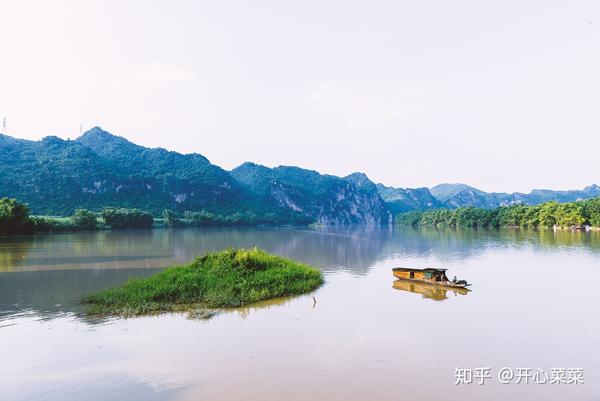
(501, 95)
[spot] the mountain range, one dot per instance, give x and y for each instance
(98, 169)
(460, 195)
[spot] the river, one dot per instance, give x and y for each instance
(532, 305)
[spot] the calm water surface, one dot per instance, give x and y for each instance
(533, 304)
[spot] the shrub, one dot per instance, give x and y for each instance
(14, 217)
(169, 218)
(411, 218)
(127, 218)
(84, 219)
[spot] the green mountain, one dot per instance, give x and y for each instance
(327, 199)
(56, 176)
(155, 179)
(52, 175)
(461, 195)
(400, 200)
(443, 192)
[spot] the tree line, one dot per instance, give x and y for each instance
(15, 219)
(547, 214)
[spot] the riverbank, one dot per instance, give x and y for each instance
(15, 219)
(573, 215)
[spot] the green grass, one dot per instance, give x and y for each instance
(229, 278)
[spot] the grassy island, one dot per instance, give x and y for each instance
(229, 278)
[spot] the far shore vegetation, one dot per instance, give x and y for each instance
(230, 278)
(15, 218)
(549, 214)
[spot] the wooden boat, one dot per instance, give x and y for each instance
(428, 276)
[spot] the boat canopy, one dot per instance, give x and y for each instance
(428, 269)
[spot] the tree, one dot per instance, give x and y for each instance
(570, 214)
(201, 218)
(475, 217)
(591, 211)
(84, 219)
(169, 218)
(545, 215)
(127, 218)
(439, 218)
(14, 217)
(412, 218)
(548, 214)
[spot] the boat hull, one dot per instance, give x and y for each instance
(448, 284)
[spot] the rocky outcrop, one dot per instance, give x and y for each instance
(329, 200)
(400, 200)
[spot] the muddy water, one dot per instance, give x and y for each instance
(533, 305)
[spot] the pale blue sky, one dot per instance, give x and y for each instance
(499, 95)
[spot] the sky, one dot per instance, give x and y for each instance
(501, 95)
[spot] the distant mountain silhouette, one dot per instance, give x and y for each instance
(461, 195)
(98, 169)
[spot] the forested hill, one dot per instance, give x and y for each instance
(400, 200)
(353, 199)
(98, 169)
(453, 196)
(56, 176)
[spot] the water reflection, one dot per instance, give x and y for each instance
(81, 387)
(48, 274)
(455, 245)
(429, 291)
(330, 249)
(351, 249)
(245, 311)
(50, 293)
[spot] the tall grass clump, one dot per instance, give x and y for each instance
(229, 278)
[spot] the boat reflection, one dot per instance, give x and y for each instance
(429, 291)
